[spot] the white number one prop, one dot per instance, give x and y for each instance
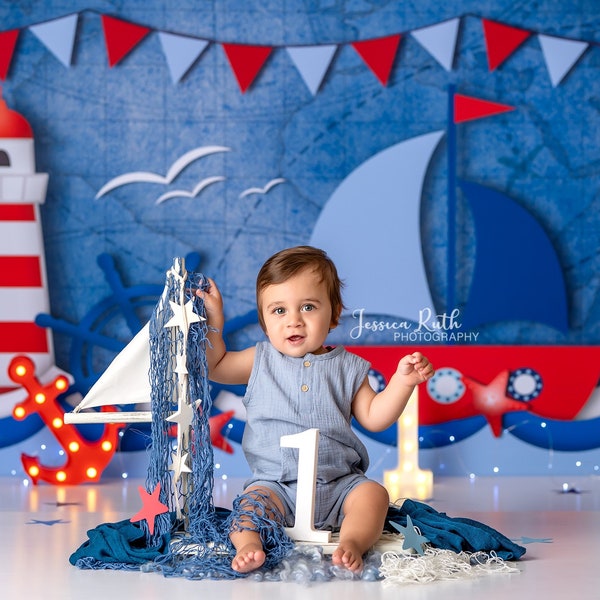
(303, 530)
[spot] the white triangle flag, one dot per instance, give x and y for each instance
(312, 63)
(440, 41)
(181, 52)
(560, 55)
(58, 36)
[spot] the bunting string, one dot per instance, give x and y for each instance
(313, 62)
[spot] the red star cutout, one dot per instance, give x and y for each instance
(152, 507)
(216, 423)
(491, 400)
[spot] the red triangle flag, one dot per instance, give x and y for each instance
(501, 41)
(379, 55)
(121, 37)
(8, 40)
(467, 108)
(246, 62)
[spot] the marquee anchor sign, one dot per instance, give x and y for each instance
(86, 460)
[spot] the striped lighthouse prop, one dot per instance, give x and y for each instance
(30, 383)
(23, 284)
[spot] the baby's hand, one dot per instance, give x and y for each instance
(213, 302)
(416, 368)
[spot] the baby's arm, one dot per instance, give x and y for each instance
(377, 412)
(224, 366)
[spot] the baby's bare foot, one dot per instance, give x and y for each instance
(348, 555)
(248, 558)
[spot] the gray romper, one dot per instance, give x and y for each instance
(287, 395)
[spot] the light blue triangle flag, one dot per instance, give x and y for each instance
(439, 40)
(312, 63)
(560, 55)
(58, 36)
(181, 52)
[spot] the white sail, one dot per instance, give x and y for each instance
(370, 228)
(125, 381)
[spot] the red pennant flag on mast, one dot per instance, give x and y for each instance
(246, 62)
(467, 108)
(501, 41)
(379, 55)
(8, 40)
(121, 37)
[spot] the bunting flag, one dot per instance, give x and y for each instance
(467, 108)
(246, 62)
(560, 55)
(501, 41)
(440, 41)
(312, 63)
(181, 53)
(121, 37)
(8, 41)
(379, 55)
(58, 36)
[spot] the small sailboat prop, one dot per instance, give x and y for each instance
(153, 368)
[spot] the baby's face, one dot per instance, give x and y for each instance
(297, 314)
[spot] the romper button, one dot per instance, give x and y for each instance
(304, 388)
(307, 363)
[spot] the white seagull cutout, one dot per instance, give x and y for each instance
(148, 177)
(264, 190)
(185, 194)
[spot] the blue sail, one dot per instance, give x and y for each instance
(517, 274)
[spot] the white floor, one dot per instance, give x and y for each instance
(41, 526)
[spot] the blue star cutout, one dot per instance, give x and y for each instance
(412, 538)
(49, 523)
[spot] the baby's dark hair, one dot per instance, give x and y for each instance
(291, 261)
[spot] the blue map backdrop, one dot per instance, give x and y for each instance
(93, 123)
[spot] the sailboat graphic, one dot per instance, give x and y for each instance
(517, 277)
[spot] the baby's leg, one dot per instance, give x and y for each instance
(250, 554)
(365, 510)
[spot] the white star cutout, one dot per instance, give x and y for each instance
(183, 316)
(180, 366)
(183, 417)
(179, 465)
